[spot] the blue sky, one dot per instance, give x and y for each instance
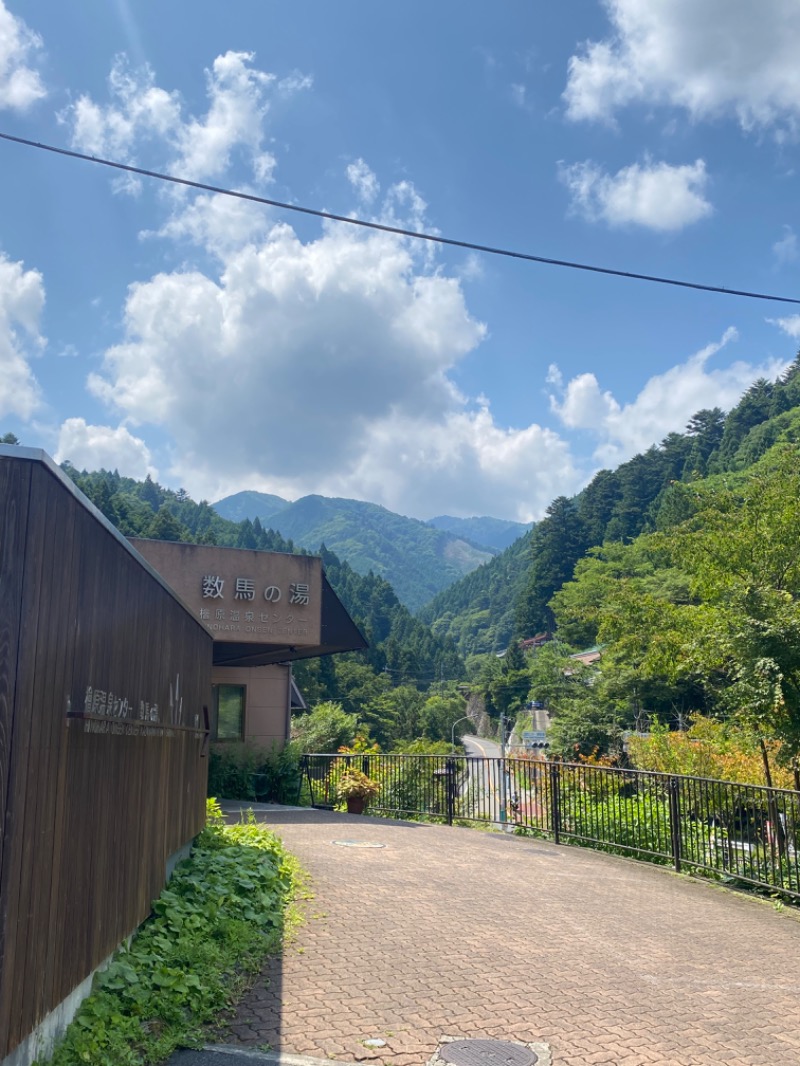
(220, 345)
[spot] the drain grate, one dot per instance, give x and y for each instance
(357, 844)
(487, 1053)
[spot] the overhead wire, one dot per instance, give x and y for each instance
(383, 227)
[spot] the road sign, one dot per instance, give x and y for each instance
(534, 736)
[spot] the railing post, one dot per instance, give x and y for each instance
(450, 766)
(306, 769)
(555, 801)
(675, 821)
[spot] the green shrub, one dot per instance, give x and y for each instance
(210, 930)
(244, 772)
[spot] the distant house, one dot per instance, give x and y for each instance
(530, 643)
(590, 656)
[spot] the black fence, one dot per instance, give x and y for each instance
(736, 832)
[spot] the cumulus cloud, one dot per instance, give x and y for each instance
(200, 148)
(327, 364)
(139, 110)
(219, 224)
(286, 358)
(711, 57)
(464, 461)
(654, 195)
(318, 366)
(21, 304)
(20, 83)
(91, 447)
(664, 405)
(790, 325)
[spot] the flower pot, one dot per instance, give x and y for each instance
(356, 804)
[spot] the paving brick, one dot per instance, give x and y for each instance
(461, 933)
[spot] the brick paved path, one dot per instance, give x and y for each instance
(460, 932)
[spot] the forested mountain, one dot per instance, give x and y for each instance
(616, 506)
(416, 559)
(496, 533)
(479, 611)
(403, 650)
(250, 504)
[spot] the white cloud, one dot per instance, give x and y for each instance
(20, 84)
(325, 367)
(238, 103)
(91, 447)
(554, 376)
(462, 462)
(200, 148)
(654, 195)
(284, 359)
(363, 180)
(790, 325)
(664, 405)
(21, 304)
(711, 57)
(786, 250)
(584, 405)
(140, 110)
(214, 222)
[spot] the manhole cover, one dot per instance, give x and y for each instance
(356, 844)
(487, 1053)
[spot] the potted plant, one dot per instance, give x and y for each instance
(356, 789)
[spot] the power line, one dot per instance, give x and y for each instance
(397, 230)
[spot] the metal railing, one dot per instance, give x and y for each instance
(737, 832)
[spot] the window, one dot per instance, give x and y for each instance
(227, 722)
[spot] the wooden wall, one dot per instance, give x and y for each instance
(90, 807)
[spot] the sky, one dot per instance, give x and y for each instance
(221, 345)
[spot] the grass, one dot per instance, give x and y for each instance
(222, 913)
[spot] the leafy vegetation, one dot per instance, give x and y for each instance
(211, 928)
(247, 772)
(711, 749)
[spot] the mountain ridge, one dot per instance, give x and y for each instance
(416, 558)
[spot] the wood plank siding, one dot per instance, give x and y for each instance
(92, 807)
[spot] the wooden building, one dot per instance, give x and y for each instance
(105, 683)
(264, 610)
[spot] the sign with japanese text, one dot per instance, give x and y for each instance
(243, 596)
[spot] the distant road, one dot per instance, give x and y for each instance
(488, 749)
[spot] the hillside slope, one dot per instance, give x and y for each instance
(511, 595)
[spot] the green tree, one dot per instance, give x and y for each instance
(596, 505)
(9, 438)
(439, 714)
(705, 430)
(326, 728)
(741, 634)
(558, 542)
(165, 526)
